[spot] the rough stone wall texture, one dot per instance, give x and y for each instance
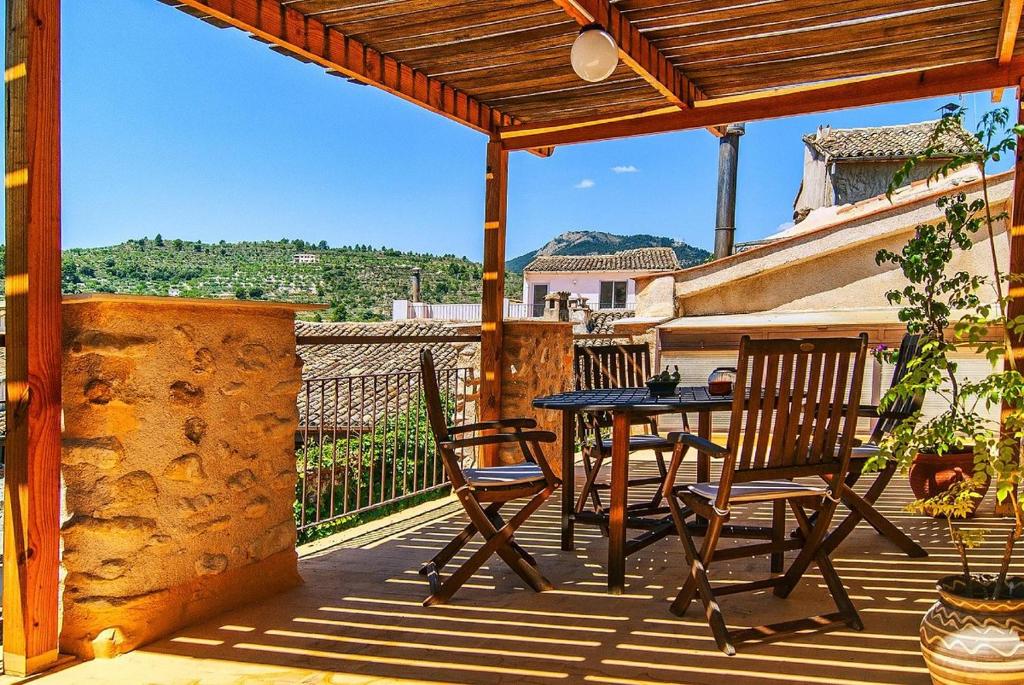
(537, 361)
(178, 466)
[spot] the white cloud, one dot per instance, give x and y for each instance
(584, 184)
(625, 169)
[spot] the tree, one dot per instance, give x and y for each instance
(240, 293)
(158, 240)
(178, 244)
(322, 245)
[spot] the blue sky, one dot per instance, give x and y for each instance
(174, 127)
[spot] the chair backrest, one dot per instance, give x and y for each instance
(799, 417)
(432, 397)
(611, 366)
(910, 347)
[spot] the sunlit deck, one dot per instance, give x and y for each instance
(358, 618)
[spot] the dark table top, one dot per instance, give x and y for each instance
(639, 400)
(686, 398)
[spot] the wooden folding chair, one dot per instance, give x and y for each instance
(616, 366)
(862, 507)
(484, 491)
(798, 419)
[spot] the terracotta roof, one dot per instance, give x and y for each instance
(602, 322)
(357, 385)
(892, 142)
(640, 259)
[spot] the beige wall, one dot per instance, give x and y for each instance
(178, 465)
(837, 280)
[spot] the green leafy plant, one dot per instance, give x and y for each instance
(956, 311)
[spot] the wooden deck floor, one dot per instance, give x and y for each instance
(358, 619)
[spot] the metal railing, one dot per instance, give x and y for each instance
(364, 441)
(466, 312)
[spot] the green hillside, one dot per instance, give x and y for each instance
(600, 242)
(358, 282)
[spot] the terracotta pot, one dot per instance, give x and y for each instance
(933, 474)
(967, 641)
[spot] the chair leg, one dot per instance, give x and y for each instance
(659, 458)
(697, 583)
(778, 559)
(813, 538)
(862, 508)
(592, 467)
(499, 523)
(832, 580)
(496, 541)
(457, 543)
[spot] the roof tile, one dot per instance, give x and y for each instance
(892, 142)
(639, 259)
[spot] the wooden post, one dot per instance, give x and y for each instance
(32, 487)
(491, 314)
(1015, 306)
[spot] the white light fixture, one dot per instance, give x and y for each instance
(594, 54)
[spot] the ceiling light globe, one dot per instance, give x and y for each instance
(594, 54)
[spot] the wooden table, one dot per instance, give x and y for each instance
(623, 404)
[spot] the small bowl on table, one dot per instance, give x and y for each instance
(662, 388)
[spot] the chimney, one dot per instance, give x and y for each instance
(728, 164)
(556, 306)
(414, 286)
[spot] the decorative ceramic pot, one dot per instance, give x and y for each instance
(933, 474)
(969, 641)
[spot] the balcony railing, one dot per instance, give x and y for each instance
(468, 312)
(364, 442)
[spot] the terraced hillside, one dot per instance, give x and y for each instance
(358, 282)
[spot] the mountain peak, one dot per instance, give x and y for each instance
(601, 242)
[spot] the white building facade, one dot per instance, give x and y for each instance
(606, 281)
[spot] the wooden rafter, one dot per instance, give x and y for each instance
(961, 78)
(309, 39)
(635, 50)
(1009, 26)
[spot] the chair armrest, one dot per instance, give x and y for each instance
(873, 411)
(492, 425)
(698, 443)
(501, 438)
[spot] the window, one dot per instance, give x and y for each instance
(540, 291)
(613, 295)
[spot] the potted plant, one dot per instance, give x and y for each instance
(975, 631)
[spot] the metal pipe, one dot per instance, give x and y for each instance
(414, 286)
(728, 165)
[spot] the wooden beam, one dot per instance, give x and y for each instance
(961, 78)
(635, 50)
(1015, 303)
(1009, 26)
(491, 314)
(33, 337)
(309, 39)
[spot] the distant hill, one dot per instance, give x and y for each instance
(358, 282)
(599, 242)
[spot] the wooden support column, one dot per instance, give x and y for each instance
(32, 487)
(1015, 307)
(492, 313)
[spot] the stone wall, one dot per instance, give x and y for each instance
(537, 361)
(178, 464)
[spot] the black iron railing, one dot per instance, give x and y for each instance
(364, 442)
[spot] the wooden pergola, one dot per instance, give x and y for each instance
(501, 68)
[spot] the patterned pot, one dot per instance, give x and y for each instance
(968, 641)
(933, 474)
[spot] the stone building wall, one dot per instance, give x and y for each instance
(537, 361)
(178, 464)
